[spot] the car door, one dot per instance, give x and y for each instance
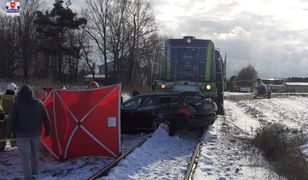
(129, 113)
(146, 112)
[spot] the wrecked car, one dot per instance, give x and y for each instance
(173, 111)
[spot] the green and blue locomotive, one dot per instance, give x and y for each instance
(192, 64)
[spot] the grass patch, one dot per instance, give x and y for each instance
(280, 146)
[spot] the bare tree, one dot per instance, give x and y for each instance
(123, 31)
(118, 36)
(9, 47)
(141, 24)
(27, 37)
(87, 52)
(98, 22)
(41, 43)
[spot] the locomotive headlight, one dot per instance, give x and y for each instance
(163, 86)
(208, 87)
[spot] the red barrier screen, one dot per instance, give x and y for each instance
(84, 122)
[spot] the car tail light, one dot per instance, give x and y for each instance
(186, 111)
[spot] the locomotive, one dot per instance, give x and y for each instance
(192, 64)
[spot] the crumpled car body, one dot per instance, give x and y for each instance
(179, 110)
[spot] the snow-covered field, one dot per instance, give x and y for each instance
(223, 154)
(291, 111)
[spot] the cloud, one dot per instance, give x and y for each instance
(271, 35)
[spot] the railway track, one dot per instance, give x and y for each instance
(193, 160)
(190, 166)
(107, 168)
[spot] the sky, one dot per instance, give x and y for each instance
(271, 35)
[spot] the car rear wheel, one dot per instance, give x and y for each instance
(164, 124)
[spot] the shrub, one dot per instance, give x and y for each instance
(281, 147)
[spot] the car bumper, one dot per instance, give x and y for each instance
(200, 121)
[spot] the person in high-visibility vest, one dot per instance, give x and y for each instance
(7, 100)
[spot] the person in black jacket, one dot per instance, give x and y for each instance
(25, 120)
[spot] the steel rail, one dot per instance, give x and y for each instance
(193, 160)
(104, 171)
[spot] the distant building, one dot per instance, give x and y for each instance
(282, 85)
(296, 87)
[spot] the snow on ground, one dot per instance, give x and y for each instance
(49, 168)
(237, 119)
(228, 93)
(223, 156)
(160, 157)
(291, 111)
